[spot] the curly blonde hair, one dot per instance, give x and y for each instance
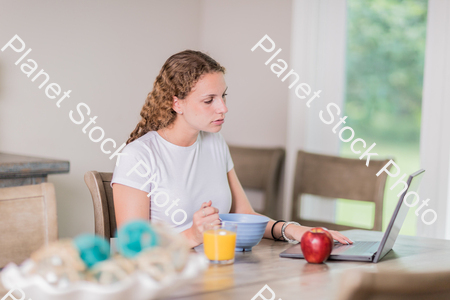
(177, 77)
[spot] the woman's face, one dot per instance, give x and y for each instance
(204, 108)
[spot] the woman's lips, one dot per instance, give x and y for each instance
(218, 122)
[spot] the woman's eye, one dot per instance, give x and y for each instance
(209, 102)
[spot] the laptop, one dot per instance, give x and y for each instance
(370, 251)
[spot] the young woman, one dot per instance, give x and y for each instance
(176, 166)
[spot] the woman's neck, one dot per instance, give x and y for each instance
(178, 134)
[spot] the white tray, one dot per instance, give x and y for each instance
(137, 286)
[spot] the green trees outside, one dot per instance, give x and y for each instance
(385, 63)
(385, 60)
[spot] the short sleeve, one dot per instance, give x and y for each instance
(133, 168)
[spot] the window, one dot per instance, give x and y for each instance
(384, 77)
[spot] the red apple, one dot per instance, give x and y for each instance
(316, 245)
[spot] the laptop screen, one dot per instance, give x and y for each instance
(399, 215)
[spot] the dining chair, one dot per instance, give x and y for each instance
(99, 185)
(337, 177)
(365, 285)
(28, 221)
(260, 168)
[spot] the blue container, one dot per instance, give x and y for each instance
(135, 236)
(92, 248)
(250, 229)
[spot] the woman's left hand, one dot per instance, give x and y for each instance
(296, 232)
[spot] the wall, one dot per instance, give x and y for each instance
(257, 99)
(108, 53)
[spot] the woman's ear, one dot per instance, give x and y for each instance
(177, 105)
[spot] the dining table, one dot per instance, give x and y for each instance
(290, 278)
(255, 271)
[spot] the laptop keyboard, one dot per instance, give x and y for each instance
(356, 248)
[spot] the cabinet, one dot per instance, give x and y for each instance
(16, 170)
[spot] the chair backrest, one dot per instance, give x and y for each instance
(364, 285)
(337, 177)
(99, 185)
(260, 168)
(28, 221)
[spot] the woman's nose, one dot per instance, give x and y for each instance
(222, 106)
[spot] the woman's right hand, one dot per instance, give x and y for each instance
(205, 215)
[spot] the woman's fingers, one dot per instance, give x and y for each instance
(341, 238)
(202, 209)
(207, 210)
(209, 221)
(206, 204)
(210, 210)
(203, 215)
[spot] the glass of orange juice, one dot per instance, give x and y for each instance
(219, 242)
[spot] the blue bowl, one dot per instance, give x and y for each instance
(250, 229)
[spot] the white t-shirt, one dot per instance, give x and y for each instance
(179, 179)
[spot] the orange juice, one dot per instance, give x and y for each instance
(219, 244)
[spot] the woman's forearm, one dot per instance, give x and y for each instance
(291, 231)
(268, 230)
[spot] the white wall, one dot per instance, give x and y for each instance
(257, 99)
(109, 53)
